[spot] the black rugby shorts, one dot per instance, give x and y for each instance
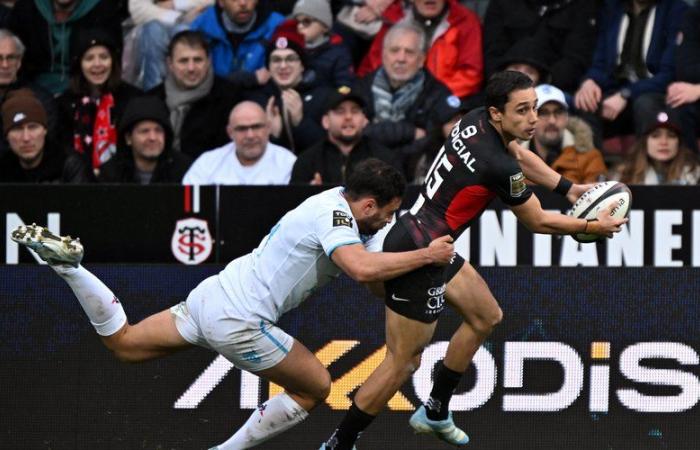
(420, 294)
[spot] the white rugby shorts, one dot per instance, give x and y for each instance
(208, 319)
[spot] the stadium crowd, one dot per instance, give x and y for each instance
(278, 92)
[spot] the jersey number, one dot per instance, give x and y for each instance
(434, 179)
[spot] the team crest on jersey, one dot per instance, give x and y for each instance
(517, 184)
(191, 242)
(341, 218)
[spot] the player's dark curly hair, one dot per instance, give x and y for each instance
(375, 178)
(501, 84)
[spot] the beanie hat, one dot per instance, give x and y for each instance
(666, 118)
(286, 36)
(146, 107)
(21, 107)
(316, 9)
(85, 40)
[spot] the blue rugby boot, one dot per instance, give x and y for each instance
(445, 430)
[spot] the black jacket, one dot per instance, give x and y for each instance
(688, 52)
(332, 63)
(334, 167)
(309, 131)
(564, 29)
(171, 165)
(204, 127)
(434, 106)
(55, 167)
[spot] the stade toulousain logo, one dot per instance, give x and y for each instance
(191, 242)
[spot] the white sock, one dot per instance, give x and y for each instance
(276, 415)
(99, 303)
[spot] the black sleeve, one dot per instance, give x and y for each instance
(507, 179)
(243, 79)
(304, 168)
(577, 48)
(391, 134)
(688, 52)
(75, 171)
(495, 39)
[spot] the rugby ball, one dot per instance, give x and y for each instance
(600, 197)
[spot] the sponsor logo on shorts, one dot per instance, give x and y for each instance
(399, 299)
(436, 300)
(341, 219)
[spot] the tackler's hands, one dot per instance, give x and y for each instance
(441, 251)
(605, 224)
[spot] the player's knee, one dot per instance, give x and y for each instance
(324, 388)
(121, 349)
(414, 363)
(495, 317)
(488, 320)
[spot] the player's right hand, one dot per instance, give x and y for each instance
(442, 250)
(608, 224)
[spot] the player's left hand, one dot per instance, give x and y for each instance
(576, 191)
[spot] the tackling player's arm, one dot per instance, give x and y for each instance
(364, 266)
(538, 220)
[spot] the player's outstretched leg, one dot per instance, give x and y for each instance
(405, 340)
(63, 254)
(471, 297)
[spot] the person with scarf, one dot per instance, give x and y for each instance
(406, 105)
(92, 106)
(199, 101)
(49, 28)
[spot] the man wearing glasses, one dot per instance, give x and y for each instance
(249, 158)
(293, 100)
(565, 143)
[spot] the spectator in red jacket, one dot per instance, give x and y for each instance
(454, 42)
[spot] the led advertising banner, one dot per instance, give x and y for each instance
(585, 358)
(214, 224)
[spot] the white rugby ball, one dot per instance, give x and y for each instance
(600, 197)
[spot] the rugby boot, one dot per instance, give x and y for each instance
(445, 430)
(55, 250)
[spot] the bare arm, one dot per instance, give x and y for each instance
(534, 168)
(364, 266)
(538, 220)
(537, 171)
